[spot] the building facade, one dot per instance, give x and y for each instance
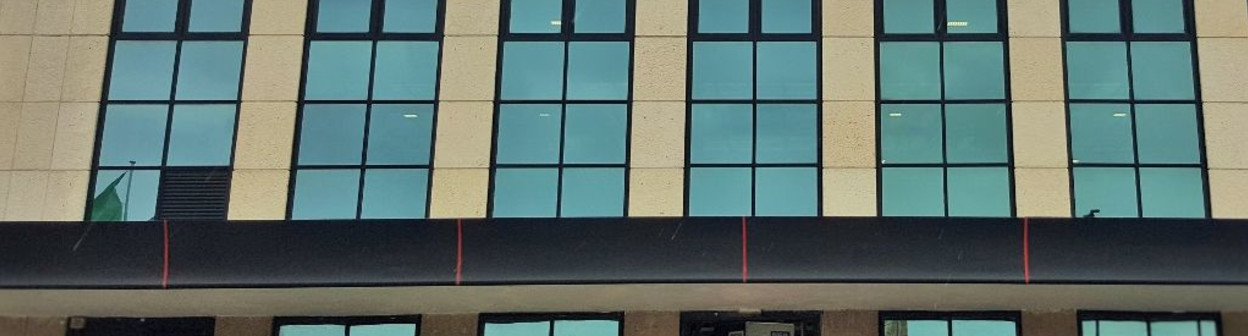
(623, 167)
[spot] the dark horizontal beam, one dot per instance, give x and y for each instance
(220, 254)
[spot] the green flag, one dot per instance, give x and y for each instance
(107, 206)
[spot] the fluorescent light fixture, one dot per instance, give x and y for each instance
(411, 116)
(543, 115)
(556, 22)
(1120, 114)
(959, 23)
(1074, 161)
(895, 114)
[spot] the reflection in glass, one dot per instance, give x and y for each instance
(787, 133)
(979, 192)
(719, 191)
(910, 70)
(1109, 190)
(133, 133)
(721, 70)
(595, 133)
(312, 330)
(1162, 70)
(536, 16)
(909, 17)
(142, 70)
(974, 70)
(786, 16)
(148, 16)
(394, 193)
(786, 191)
(786, 70)
(343, 16)
(1097, 70)
(914, 192)
(723, 16)
(125, 195)
(326, 194)
(338, 70)
(598, 70)
(525, 192)
(1167, 133)
(410, 16)
(910, 133)
(405, 70)
(1093, 16)
(532, 70)
(1157, 16)
(976, 133)
(592, 192)
(722, 133)
(400, 134)
(518, 329)
(971, 16)
(1101, 133)
(1172, 193)
(600, 16)
(210, 70)
(528, 133)
(216, 15)
(201, 135)
(587, 328)
(331, 134)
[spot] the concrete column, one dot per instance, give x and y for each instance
(448, 325)
(849, 162)
(850, 323)
(1037, 87)
(649, 323)
(243, 326)
(657, 152)
(1055, 323)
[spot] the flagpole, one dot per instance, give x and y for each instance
(125, 205)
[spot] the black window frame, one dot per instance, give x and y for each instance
(567, 35)
(346, 321)
(1148, 318)
(940, 36)
(550, 318)
(754, 36)
(1127, 36)
(950, 316)
(180, 34)
(81, 326)
(375, 35)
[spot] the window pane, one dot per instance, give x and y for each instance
(517, 329)
(312, 330)
(343, 16)
(1172, 192)
(1101, 133)
(1089, 328)
(976, 133)
(394, 193)
(202, 135)
(1208, 328)
(979, 192)
(593, 192)
(719, 191)
(1162, 70)
(150, 16)
(723, 16)
(133, 133)
(909, 17)
(595, 134)
(909, 70)
(1093, 16)
(1173, 328)
(536, 16)
(1110, 190)
(786, 70)
(528, 133)
(984, 328)
(400, 134)
(974, 70)
(927, 328)
(1097, 70)
(914, 192)
(411, 16)
(142, 70)
(722, 134)
(532, 70)
(210, 70)
(405, 70)
(331, 134)
(589, 328)
(1167, 133)
(525, 192)
(125, 195)
(1157, 16)
(723, 70)
(600, 16)
(384, 330)
(216, 15)
(787, 133)
(338, 70)
(786, 192)
(326, 194)
(786, 16)
(910, 133)
(598, 70)
(971, 16)
(1123, 328)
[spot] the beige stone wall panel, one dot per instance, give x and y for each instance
(53, 17)
(466, 133)
(46, 71)
(75, 136)
(274, 66)
(258, 194)
(1036, 69)
(1226, 135)
(849, 134)
(849, 69)
(14, 57)
(662, 18)
(848, 18)
(36, 136)
(448, 325)
(659, 68)
(459, 193)
(27, 192)
(651, 323)
(658, 135)
(1223, 69)
(17, 16)
(468, 64)
(1221, 18)
(656, 192)
(1039, 134)
(849, 192)
(1042, 192)
(278, 17)
(10, 115)
(84, 69)
(92, 17)
(1035, 18)
(1228, 195)
(266, 135)
(472, 17)
(243, 326)
(66, 196)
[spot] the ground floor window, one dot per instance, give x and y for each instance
(348, 326)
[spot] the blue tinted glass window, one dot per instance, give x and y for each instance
(518, 329)
(786, 16)
(1162, 70)
(216, 15)
(1167, 133)
(979, 192)
(719, 191)
(536, 16)
(1174, 328)
(598, 70)
(909, 17)
(201, 135)
(125, 195)
(384, 330)
(210, 70)
(974, 70)
(411, 16)
(529, 133)
(1172, 192)
(924, 328)
(600, 16)
(1093, 16)
(338, 70)
(133, 133)
(144, 16)
(971, 16)
(786, 192)
(1096, 70)
(343, 16)
(976, 133)
(312, 330)
(394, 193)
(723, 16)
(331, 134)
(910, 70)
(787, 133)
(532, 70)
(1157, 16)
(914, 192)
(593, 328)
(984, 328)
(595, 133)
(525, 192)
(910, 133)
(405, 70)
(722, 133)
(1101, 133)
(593, 192)
(722, 70)
(1123, 328)
(1111, 191)
(786, 70)
(400, 134)
(326, 194)
(142, 70)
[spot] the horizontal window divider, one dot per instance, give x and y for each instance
(557, 165)
(567, 38)
(947, 165)
(1133, 101)
(1134, 165)
(1147, 316)
(172, 102)
(406, 37)
(416, 166)
(754, 38)
(951, 316)
(754, 165)
(570, 102)
(938, 38)
(946, 102)
(752, 101)
(115, 168)
(1127, 37)
(366, 101)
(229, 37)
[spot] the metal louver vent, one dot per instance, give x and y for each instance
(194, 193)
